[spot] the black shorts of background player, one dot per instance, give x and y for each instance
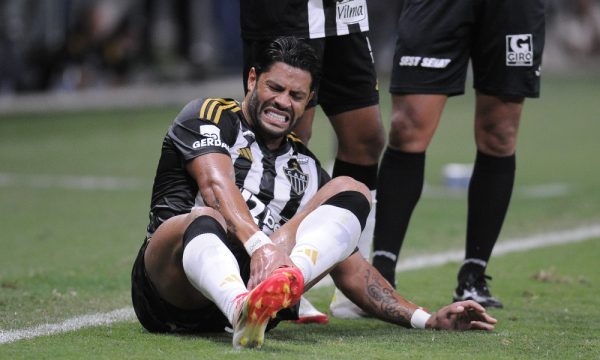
(347, 91)
(436, 39)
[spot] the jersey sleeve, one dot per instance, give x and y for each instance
(205, 126)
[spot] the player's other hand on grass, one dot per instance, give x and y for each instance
(266, 260)
(462, 315)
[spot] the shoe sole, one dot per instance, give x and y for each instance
(486, 304)
(279, 291)
(313, 319)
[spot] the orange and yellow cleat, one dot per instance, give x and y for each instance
(279, 291)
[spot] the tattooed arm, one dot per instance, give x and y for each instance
(368, 289)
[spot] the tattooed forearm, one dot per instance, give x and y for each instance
(385, 304)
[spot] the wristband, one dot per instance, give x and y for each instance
(419, 318)
(256, 241)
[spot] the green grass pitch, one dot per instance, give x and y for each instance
(74, 195)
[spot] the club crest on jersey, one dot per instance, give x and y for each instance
(298, 180)
(519, 50)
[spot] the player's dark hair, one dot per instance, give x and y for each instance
(292, 51)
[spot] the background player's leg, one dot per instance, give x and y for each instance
(490, 190)
(414, 121)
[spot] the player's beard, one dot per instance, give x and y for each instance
(255, 108)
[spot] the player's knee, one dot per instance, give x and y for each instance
(365, 147)
(203, 224)
(346, 183)
(360, 133)
(354, 201)
(497, 141)
(497, 148)
(407, 133)
(373, 139)
(375, 144)
(208, 211)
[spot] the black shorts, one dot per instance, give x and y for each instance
(504, 40)
(348, 81)
(157, 315)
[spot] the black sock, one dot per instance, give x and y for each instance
(201, 225)
(398, 190)
(367, 174)
(353, 201)
(490, 190)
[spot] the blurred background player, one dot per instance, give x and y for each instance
(436, 39)
(347, 91)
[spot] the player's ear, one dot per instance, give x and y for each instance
(251, 79)
(310, 96)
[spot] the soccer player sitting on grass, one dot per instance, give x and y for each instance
(243, 219)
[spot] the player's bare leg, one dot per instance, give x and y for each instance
(180, 271)
(415, 119)
(163, 263)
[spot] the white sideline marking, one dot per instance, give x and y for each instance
(543, 191)
(72, 324)
(73, 182)
(114, 183)
(516, 245)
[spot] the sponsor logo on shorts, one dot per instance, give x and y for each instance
(519, 50)
(425, 62)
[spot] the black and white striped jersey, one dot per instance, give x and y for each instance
(265, 19)
(275, 184)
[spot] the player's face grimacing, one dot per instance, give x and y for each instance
(277, 99)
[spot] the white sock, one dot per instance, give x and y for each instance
(213, 270)
(340, 305)
(365, 242)
(324, 238)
